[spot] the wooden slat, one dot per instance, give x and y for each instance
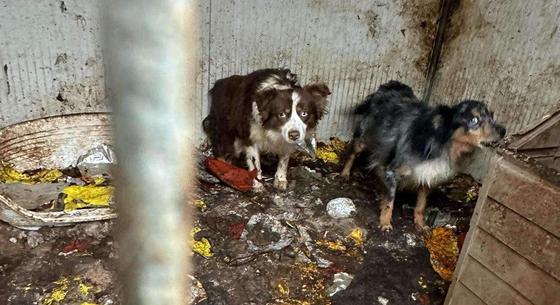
(524, 237)
(488, 287)
(475, 219)
(526, 278)
(528, 195)
(463, 296)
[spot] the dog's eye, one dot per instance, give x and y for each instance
(473, 122)
(282, 114)
(303, 114)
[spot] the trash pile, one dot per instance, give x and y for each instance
(315, 242)
(86, 184)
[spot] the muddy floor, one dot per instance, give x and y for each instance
(257, 248)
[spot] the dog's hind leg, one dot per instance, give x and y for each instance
(280, 178)
(386, 207)
(357, 147)
(421, 201)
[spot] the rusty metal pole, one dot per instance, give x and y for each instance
(149, 49)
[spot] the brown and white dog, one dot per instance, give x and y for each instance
(264, 111)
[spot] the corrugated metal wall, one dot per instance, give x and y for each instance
(50, 55)
(504, 52)
(351, 45)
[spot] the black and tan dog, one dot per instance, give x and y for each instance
(416, 146)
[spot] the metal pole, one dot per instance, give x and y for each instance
(150, 78)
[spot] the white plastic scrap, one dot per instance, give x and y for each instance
(341, 281)
(383, 301)
(97, 161)
(341, 208)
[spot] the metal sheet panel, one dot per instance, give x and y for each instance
(351, 45)
(50, 55)
(504, 52)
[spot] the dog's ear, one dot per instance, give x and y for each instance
(320, 91)
(262, 99)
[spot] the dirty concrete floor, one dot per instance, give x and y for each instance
(267, 248)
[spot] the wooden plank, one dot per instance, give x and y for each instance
(528, 195)
(483, 193)
(523, 276)
(488, 287)
(532, 242)
(463, 296)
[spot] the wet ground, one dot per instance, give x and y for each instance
(267, 248)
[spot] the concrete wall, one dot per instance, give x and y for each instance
(50, 55)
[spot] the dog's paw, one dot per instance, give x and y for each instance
(258, 187)
(345, 174)
(424, 230)
(387, 227)
(281, 184)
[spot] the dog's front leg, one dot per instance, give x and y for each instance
(421, 202)
(254, 163)
(280, 178)
(386, 207)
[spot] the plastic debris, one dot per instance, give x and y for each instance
(265, 233)
(237, 178)
(357, 236)
(383, 301)
(201, 246)
(341, 281)
(9, 175)
(341, 208)
(444, 251)
(197, 293)
(76, 246)
(87, 196)
(308, 146)
(97, 161)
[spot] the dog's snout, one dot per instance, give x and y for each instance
(501, 130)
(293, 135)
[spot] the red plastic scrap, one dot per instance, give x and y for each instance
(237, 178)
(76, 245)
(235, 230)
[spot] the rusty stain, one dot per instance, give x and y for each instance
(421, 21)
(371, 21)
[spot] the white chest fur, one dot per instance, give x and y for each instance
(430, 173)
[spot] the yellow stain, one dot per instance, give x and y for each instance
(86, 196)
(331, 245)
(202, 246)
(330, 152)
(10, 175)
(59, 293)
(84, 289)
(326, 155)
(357, 236)
(199, 203)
